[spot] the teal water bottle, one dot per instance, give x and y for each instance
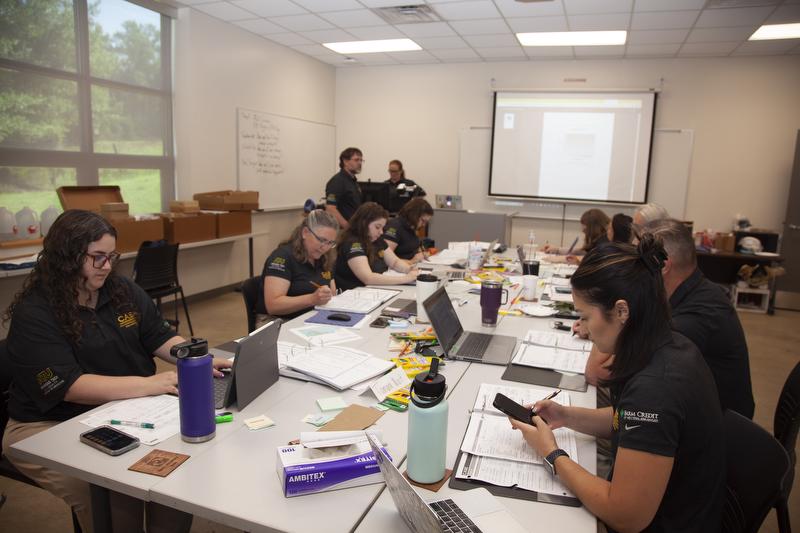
(427, 426)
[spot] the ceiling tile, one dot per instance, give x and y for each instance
(316, 50)
(665, 20)
(320, 6)
(482, 9)
(491, 41)
(657, 37)
(512, 8)
(354, 18)
(272, 8)
(288, 39)
(441, 43)
(529, 24)
(385, 3)
(719, 35)
(302, 22)
(576, 7)
(414, 56)
(260, 26)
(196, 2)
(740, 16)
(426, 29)
(611, 21)
(706, 49)
(375, 59)
(376, 32)
(463, 53)
(505, 52)
(766, 47)
(480, 27)
(549, 51)
(668, 5)
(337, 61)
(785, 15)
(225, 11)
(652, 49)
(600, 51)
(328, 36)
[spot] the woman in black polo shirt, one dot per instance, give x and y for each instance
(80, 336)
(400, 233)
(594, 226)
(298, 274)
(665, 421)
(362, 255)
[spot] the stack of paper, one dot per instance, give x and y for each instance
(160, 411)
(359, 300)
(556, 351)
(335, 366)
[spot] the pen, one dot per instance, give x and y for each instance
(572, 246)
(131, 423)
(548, 397)
(317, 285)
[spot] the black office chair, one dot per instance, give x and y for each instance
(253, 295)
(785, 428)
(156, 271)
(7, 469)
(756, 465)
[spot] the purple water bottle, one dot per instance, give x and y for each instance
(195, 390)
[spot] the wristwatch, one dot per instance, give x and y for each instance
(550, 460)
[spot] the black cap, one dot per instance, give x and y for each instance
(427, 277)
(432, 383)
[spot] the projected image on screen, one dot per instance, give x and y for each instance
(573, 146)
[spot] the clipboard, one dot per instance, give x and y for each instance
(544, 377)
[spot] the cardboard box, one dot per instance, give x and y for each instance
(724, 242)
(182, 227)
(234, 223)
(130, 232)
(228, 200)
(184, 206)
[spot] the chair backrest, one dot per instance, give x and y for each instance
(251, 290)
(787, 413)
(5, 383)
(756, 467)
(156, 266)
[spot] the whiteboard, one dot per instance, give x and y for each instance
(669, 177)
(285, 159)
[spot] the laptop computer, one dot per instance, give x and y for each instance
(464, 345)
(471, 511)
(254, 370)
(488, 253)
(400, 308)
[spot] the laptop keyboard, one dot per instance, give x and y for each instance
(220, 388)
(456, 274)
(474, 345)
(453, 518)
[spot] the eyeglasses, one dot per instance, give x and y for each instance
(323, 242)
(392, 171)
(100, 260)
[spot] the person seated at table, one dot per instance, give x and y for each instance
(298, 275)
(665, 421)
(620, 229)
(594, 225)
(82, 335)
(400, 184)
(400, 233)
(362, 255)
(649, 213)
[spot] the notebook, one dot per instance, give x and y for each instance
(360, 300)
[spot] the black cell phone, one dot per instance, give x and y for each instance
(380, 322)
(109, 440)
(508, 406)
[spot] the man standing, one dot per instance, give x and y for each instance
(342, 195)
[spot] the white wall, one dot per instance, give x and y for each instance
(745, 113)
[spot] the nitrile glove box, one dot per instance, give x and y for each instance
(308, 470)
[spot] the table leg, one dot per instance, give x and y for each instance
(250, 249)
(101, 509)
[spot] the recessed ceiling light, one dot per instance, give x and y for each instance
(572, 38)
(371, 47)
(776, 31)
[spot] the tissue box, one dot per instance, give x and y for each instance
(307, 470)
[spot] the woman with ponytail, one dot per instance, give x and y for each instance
(665, 422)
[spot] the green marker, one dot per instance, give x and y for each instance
(223, 417)
(146, 425)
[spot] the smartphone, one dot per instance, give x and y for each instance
(508, 406)
(563, 290)
(109, 440)
(380, 322)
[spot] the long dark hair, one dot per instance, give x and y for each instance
(596, 223)
(414, 210)
(620, 271)
(622, 225)
(58, 270)
(316, 219)
(358, 231)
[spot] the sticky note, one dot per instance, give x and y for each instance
(334, 403)
(259, 422)
(318, 419)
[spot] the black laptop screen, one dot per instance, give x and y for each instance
(443, 317)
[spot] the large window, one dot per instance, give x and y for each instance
(85, 99)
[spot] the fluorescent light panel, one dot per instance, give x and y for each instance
(371, 47)
(572, 38)
(776, 31)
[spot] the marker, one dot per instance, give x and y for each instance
(145, 425)
(223, 417)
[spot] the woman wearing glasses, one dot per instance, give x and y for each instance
(81, 335)
(298, 275)
(363, 257)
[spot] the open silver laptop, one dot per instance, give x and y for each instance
(473, 511)
(464, 345)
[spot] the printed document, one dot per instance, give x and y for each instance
(359, 300)
(339, 367)
(324, 334)
(161, 411)
(564, 341)
(510, 473)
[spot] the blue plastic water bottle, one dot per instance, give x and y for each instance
(195, 390)
(427, 426)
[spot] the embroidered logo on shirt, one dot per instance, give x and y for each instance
(331, 197)
(128, 320)
(633, 416)
(356, 248)
(380, 253)
(326, 275)
(392, 232)
(279, 263)
(48, 381)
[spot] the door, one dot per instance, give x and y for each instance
(788, 285)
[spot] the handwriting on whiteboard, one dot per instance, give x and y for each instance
(260, 144)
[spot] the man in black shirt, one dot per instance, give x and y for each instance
(702, 312)
(342, 194)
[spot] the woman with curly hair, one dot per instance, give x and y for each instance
(80, 336)
(400, 233)
(362, 255)
(298, 274)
